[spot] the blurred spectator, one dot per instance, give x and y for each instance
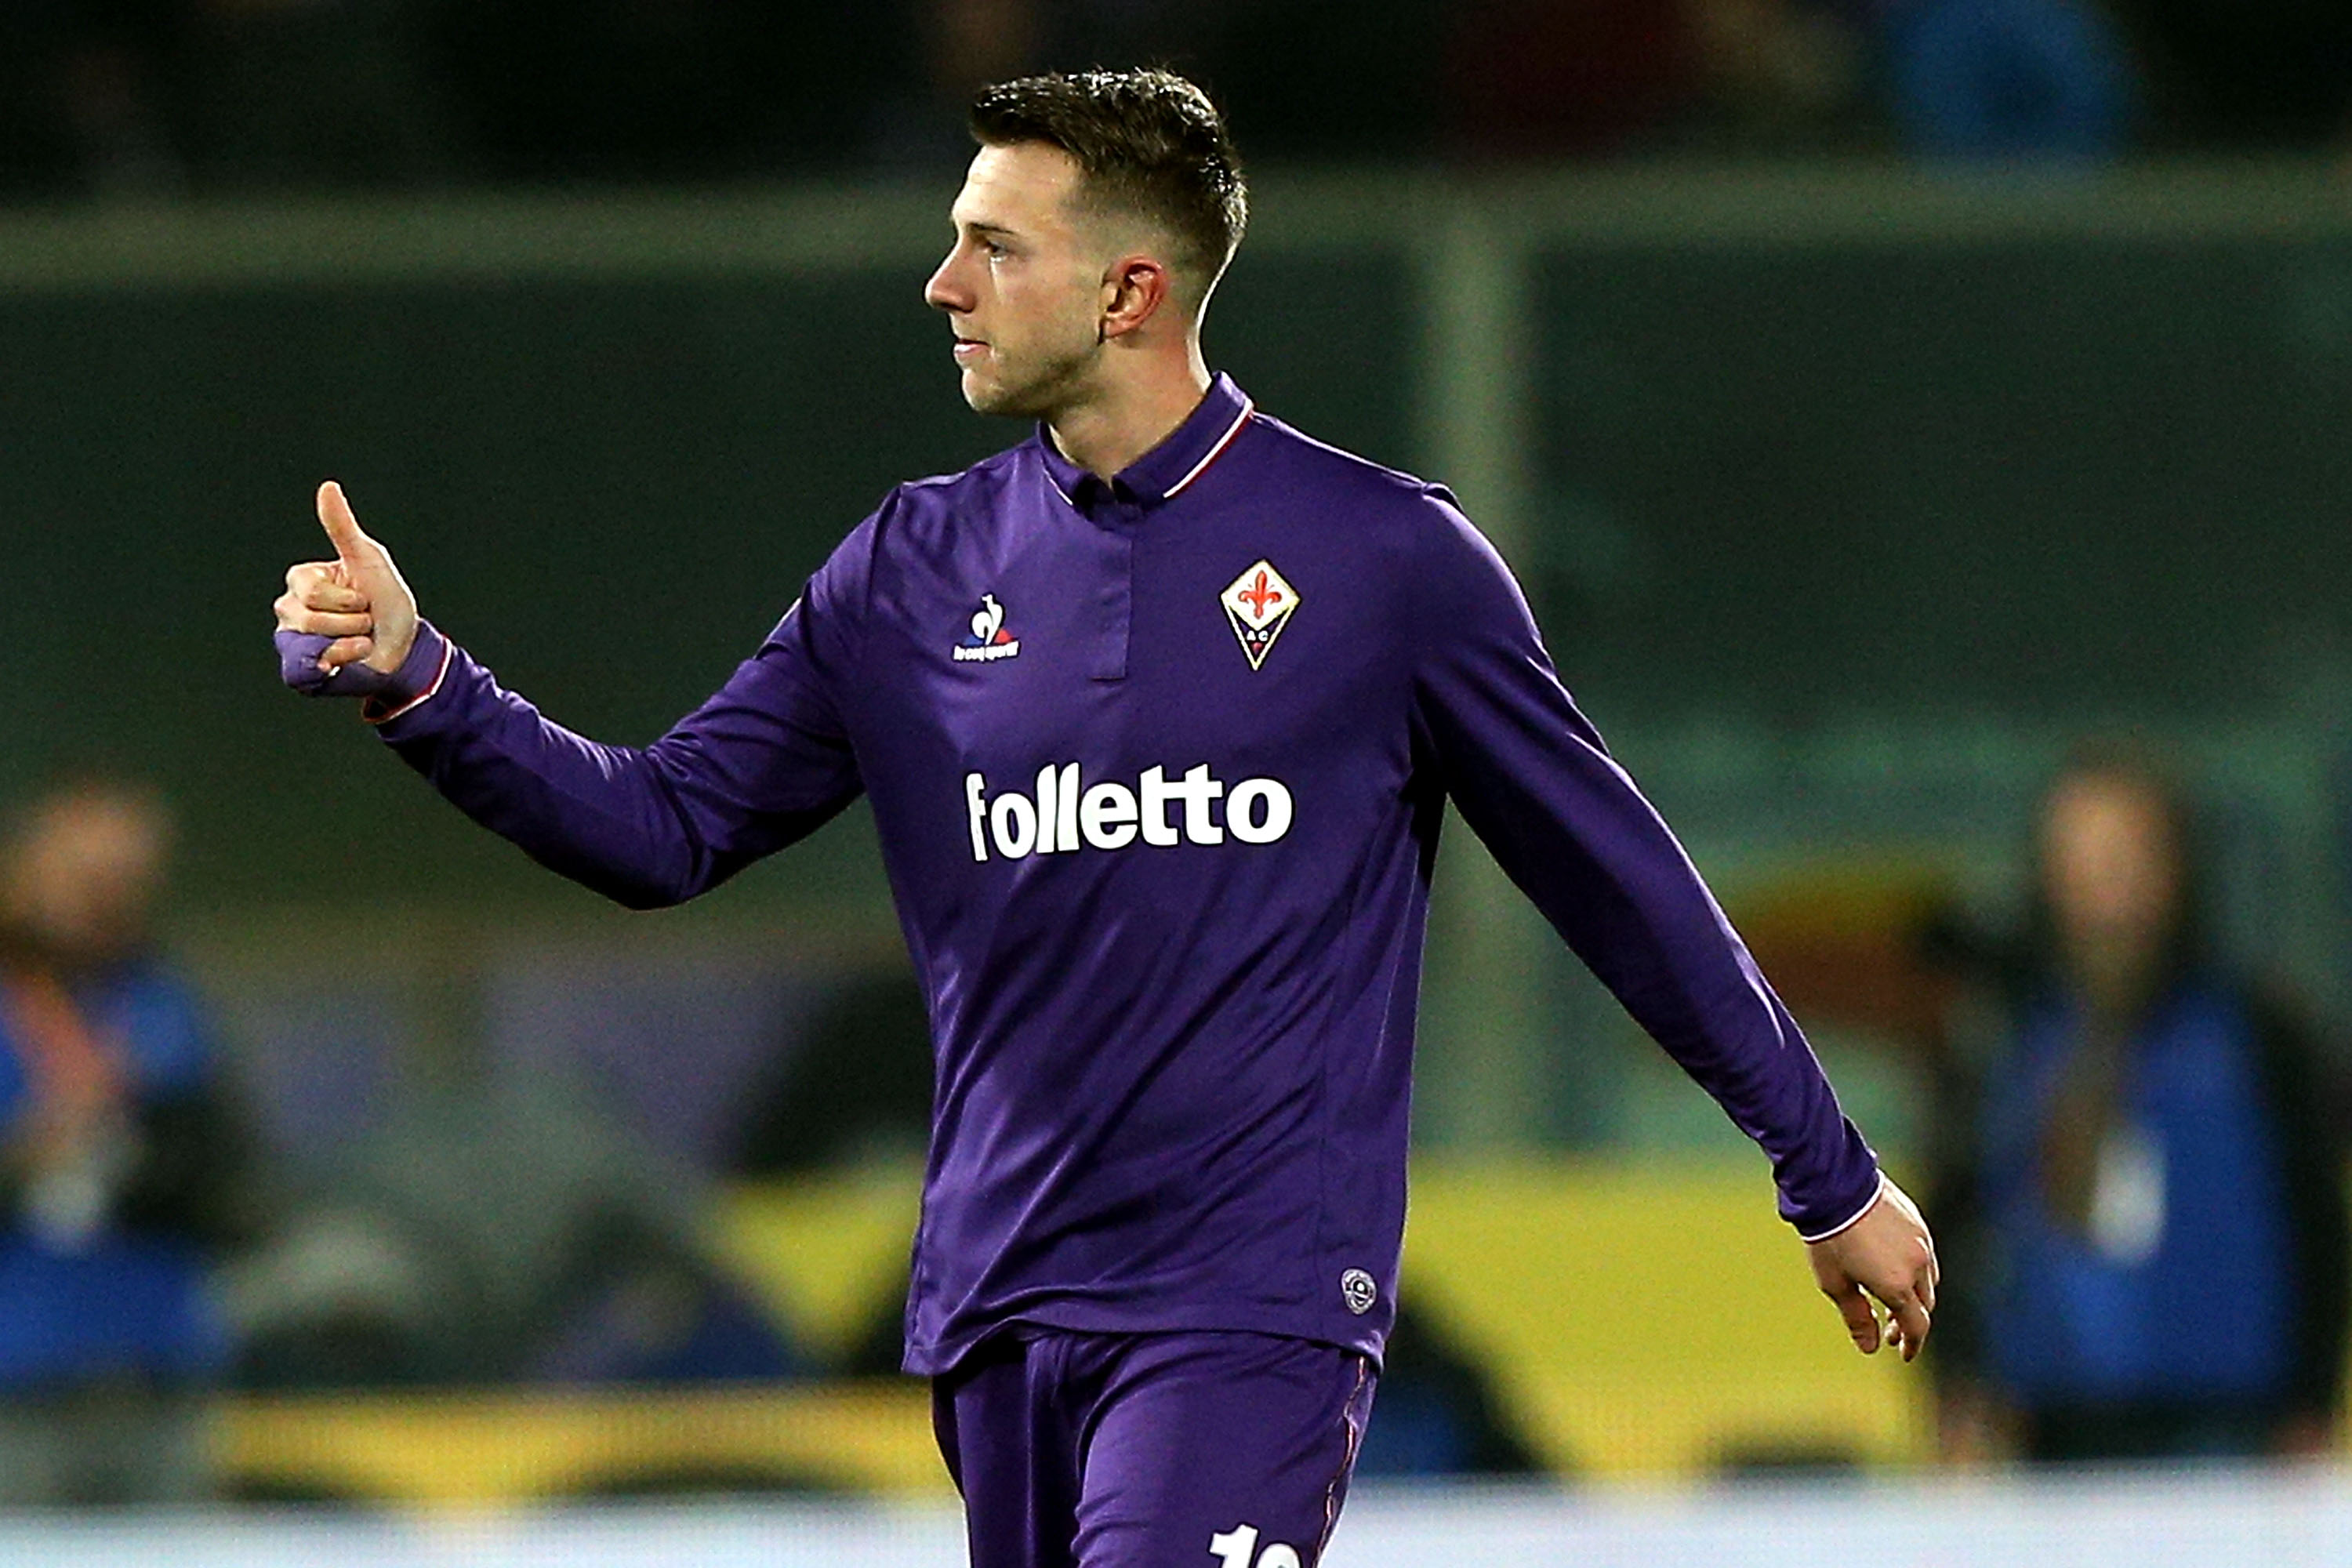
(1783, 75)
(497, 1231)
(2009, 80)
(1533, 78)
(963, 45)
(2148, 1256)
(121, 1172)
(149, 97)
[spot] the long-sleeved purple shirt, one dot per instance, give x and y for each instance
(1158, 767)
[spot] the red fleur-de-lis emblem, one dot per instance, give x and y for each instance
(1259, 603)
(1259, 594)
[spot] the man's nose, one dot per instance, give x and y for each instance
(945, 292)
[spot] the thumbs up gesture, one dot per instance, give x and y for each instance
(344, 625)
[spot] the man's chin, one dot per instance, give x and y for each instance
(1040, 391)
(991, 397)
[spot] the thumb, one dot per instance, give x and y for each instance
(352, 547)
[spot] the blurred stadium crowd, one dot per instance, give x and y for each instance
(157, 98)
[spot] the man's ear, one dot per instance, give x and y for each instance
(1136, 288)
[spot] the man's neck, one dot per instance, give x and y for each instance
(1108, 432)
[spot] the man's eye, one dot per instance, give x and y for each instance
(995, 251)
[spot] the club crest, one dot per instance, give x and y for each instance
(1259, 603)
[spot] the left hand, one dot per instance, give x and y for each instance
(1887, 1256)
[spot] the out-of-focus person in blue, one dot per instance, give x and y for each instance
(2010, 82)
(121, 1172)
(2158, 1184)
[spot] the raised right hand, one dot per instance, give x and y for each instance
(352, 610)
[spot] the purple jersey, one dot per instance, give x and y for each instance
(1158, 767)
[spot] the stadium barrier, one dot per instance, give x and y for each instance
(2278, 1518)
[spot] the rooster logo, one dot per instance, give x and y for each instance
(988, 639)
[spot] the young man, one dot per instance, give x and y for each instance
(1158, 711)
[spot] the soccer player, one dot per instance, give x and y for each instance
(1158, 711)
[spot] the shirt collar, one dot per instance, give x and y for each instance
(1162, 473)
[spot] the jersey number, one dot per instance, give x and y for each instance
(1233, 1550)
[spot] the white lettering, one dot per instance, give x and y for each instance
(1013, 821)
(1156, 797)
(1246, 796)
(1107, 816)
(1047, 776)
(1233, 1547)
(1067, 814)
(1197, 791)
(1065, 821)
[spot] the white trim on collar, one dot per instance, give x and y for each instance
(1224, 441)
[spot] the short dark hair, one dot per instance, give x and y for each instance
(1148, 142)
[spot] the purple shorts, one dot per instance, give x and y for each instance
(1176, 1451)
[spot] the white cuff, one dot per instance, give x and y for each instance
(1841, 1229)
(376, 714)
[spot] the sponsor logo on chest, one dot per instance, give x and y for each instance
(1067, 813)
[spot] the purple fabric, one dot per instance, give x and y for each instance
(1174, 1048)
(298, 667)
(1151, 1450)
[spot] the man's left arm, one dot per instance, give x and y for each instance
(1532, 777)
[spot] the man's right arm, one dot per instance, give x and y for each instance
(763, 763)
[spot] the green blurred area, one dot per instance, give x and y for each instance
(1849, 498)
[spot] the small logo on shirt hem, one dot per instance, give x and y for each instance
(988, 641)
(1356, 1289)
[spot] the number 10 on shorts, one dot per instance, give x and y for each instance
(1233, 1550)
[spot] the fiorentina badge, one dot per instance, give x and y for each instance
(1259, 603)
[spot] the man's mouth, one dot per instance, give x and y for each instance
(967, 350)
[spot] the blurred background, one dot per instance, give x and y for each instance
(1924, 427)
